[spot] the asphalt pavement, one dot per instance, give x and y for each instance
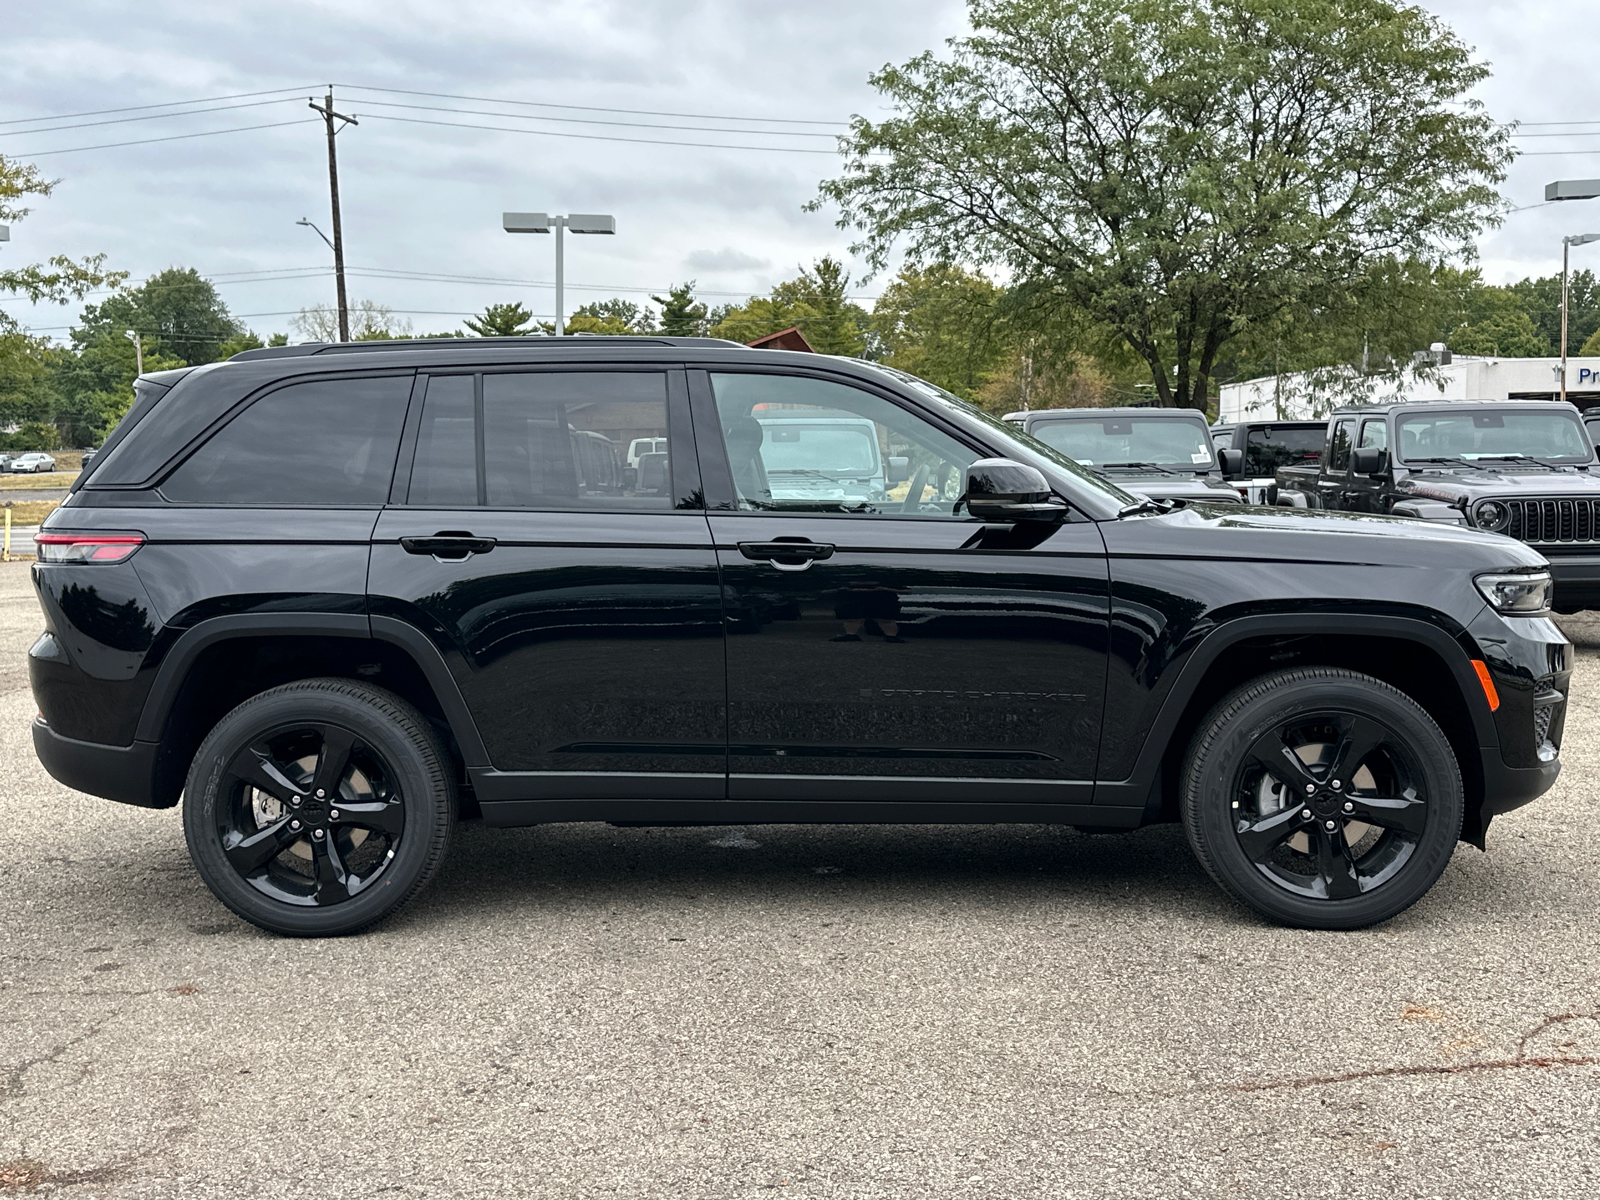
(853, 1011)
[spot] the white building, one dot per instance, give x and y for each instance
(1301, 396)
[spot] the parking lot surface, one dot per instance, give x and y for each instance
(854, 1011)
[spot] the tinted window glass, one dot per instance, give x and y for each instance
(329, 442)
(1339, 447)
(445, 470)
(1265, 450)
(557, 440)
(807, 445)
(1374, 435)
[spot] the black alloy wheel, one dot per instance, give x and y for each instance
(319, 807)
(1322, 798)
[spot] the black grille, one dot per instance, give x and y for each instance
(1541, 723)
(1554, 520)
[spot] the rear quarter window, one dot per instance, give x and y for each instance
(324, 442)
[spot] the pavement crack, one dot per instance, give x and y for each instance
(11, 1075)
(1522, 1061)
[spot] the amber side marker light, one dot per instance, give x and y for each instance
(1489, 692)
(87, 547)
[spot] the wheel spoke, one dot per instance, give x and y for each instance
(1405, 814)
(1261, 837)
(1283, 764)
(250, 854)
(1334, 863)
(333, 881)
(1358, 738)
(381, 816)
(254, 765)
(332, 761)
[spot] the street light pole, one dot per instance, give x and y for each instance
(1566, 244)
(513, 222)
(138, 351)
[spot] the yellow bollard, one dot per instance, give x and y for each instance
(5, 555)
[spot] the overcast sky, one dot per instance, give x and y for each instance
(426, 199)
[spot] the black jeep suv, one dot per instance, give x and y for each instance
(335, 597)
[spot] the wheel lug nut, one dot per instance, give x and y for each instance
(1310, 788)
(1330, 825)
(294, 824)
(1306, 813)
(1348, 807)
(321, 793)
(294, 801)
(1337, 785)
(317, 833)
(333, 814)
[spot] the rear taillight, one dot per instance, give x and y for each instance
(87, 547)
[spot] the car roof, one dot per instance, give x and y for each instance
(1355, 410)
(1126, 411)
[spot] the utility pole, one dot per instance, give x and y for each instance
(328, 117)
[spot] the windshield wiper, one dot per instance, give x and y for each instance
(1519, 458)
(1142, 466)
(1463, 462)
(809, 473)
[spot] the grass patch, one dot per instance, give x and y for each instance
(31, 512)
(24, 483)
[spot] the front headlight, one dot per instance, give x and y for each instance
(1525, 594)
(1492, 515)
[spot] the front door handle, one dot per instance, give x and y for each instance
(786, 556)
(448, 545)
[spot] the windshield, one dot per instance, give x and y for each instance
(1121, 441)
(1022, 446)
(1265, 450)
(832, 449)
(1498, 433)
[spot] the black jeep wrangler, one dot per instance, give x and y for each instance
(335, 598)
(1522, 468)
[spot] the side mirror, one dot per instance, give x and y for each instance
(1231, 462)
(1369, 460)
(998, 489)
(899, 469)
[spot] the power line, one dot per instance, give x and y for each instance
(100, 112)
(632, 112)
(190, 112)
(177, 137)
(479, 112)
(597, 137)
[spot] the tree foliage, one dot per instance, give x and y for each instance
(178, 306)
(501, 320)
(944, 324)
(681, 314)
(815, 301)
(1183, 172)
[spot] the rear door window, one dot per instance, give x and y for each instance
(1339, 446)
(555, 440)
(325, 442)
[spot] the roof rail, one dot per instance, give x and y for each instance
(475, 343)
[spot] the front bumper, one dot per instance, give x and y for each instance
(122, 773)
(1577, 580)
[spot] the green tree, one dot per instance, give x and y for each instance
(943, 324)
(1541, 298)
(500, 320)
(179, 306)
(1180, 172)
(614, 316)
(61, 279)
(815, 302)
(369, 322)
(681, 315)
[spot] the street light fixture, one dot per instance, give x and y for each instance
(5, 233)
(1572, 189)
(513, 222)
(1580, 239)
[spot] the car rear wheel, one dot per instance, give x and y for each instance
(1322, 798)
(319, 807)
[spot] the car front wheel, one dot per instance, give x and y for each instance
(1322, 798)
(319, 807)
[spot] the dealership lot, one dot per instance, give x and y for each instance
(850, 1011)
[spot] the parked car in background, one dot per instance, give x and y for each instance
(1591, 422)
(5, 462)
(33, 462)
(1268, 445)
(88, 457)
(1523, 468)
(1164, 453)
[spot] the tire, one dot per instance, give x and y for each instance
(1273, 750)
(296, 862)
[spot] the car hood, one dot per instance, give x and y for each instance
(1297, 535)
(1475, 485)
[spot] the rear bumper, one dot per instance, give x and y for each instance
(121, 773)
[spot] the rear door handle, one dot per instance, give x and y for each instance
(786, 556)
(448, 545)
